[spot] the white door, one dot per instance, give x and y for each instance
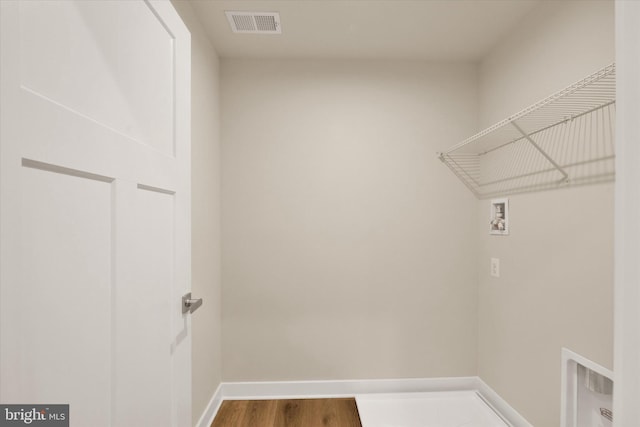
(95, 210)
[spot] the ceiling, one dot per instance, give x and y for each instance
(438, 30)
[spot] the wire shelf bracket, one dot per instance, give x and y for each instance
(566, 139)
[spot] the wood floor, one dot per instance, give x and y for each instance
(288, 413)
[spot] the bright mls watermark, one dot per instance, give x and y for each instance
(34, 415)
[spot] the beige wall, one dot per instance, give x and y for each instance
(205, 213)
(556, 284)
(349, 249)
(346, 242)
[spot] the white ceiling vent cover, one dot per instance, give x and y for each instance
(254, 22)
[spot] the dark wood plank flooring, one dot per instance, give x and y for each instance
(288, 413)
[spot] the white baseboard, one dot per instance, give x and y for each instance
(350, 388)
(500, 405)
(341, 388)
(212, 409)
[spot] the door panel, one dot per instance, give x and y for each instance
(66, 234)
(111, 62)
(95, 210)
(147, 291)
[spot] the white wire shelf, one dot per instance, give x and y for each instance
(564, 140)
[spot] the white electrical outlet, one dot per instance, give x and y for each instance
(495, 267)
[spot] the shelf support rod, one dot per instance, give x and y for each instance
(565, 176)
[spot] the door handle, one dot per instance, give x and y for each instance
(189, 305)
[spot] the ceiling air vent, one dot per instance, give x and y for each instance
(254, 22)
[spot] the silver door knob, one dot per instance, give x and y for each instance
(189, 305)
